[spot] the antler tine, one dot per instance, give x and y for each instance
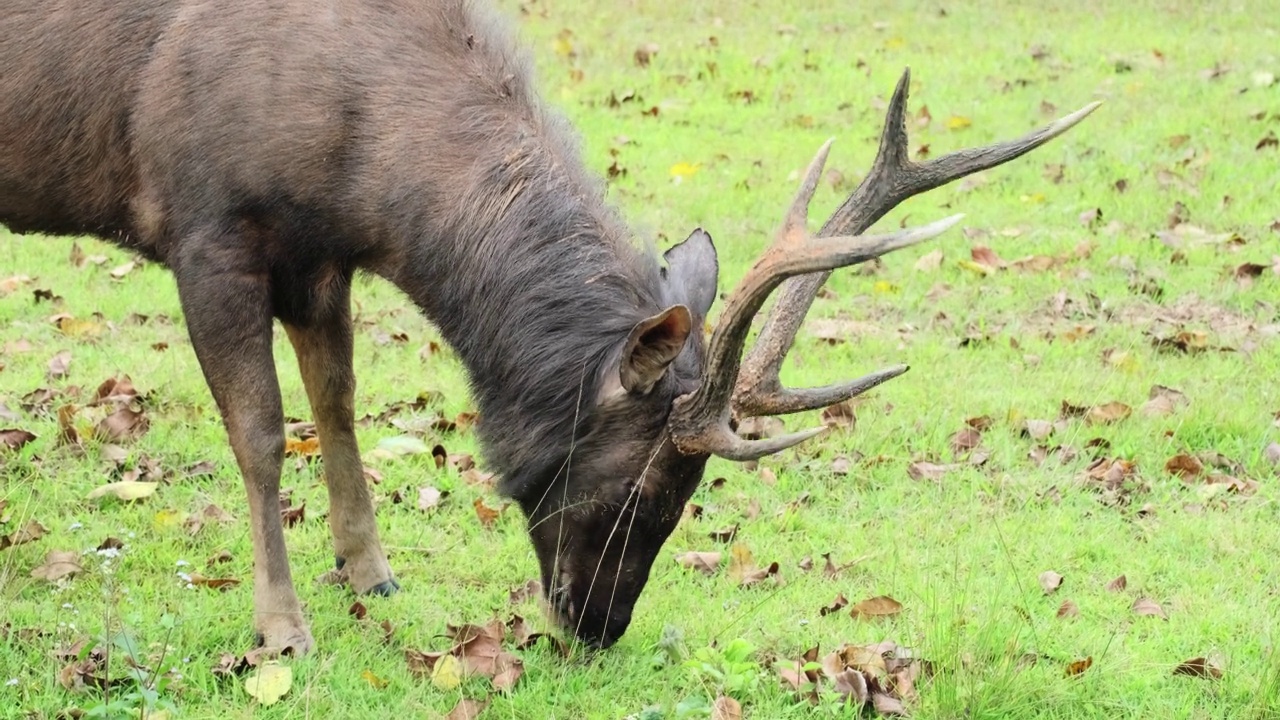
(893, 179)
(700, 421)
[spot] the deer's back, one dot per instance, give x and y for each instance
(142, 120)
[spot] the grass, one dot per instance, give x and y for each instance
(962, 553)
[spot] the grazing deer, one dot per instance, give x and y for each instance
(266, 151)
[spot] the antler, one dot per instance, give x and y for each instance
(701, 420)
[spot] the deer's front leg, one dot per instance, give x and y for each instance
(323, 346)
(225, 290)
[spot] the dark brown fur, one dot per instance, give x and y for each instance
(266, 150)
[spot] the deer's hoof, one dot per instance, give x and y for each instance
(287, 636)
(385, 588)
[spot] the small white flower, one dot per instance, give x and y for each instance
(11, 682)
(182, 563)
(75, 526)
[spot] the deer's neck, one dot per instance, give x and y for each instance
(531, 279)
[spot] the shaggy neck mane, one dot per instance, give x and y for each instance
(536, 285)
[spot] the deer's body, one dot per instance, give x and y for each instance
(265, 150)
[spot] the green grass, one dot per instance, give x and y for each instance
(961, 553)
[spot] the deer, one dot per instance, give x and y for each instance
(265, 152)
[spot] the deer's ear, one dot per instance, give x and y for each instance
(692, 271)
(653, 344)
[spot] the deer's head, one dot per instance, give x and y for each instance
(667, 399)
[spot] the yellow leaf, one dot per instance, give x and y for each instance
(894, 43)
(72, 327)
(269, 682)
(1033, 198)
(974, 267)
(125, 490)
(1124, 361)
(377, 682)
(884, 287)
(958, 122)
(168, 518)
(447, 674)
(684, 169)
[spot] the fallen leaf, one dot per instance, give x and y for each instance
(1078, 666)
(840, 415)
(1108, 413)
(508, 668)
(929, 262)
(1272, 454)
(14, 438)
(467, 709)
(125, 490)
(57, 565)
(1037, 429)
(878, 606)
(958, 122)
(59, 365)
(743, 570)
(447, 673)
(487, 515)
(223, 584)
(836, 605)
(1147, 607)
(307, 447)
(269, 682)
(1199, 667)
(1118, 584)
(1068, 609)
(1184, 466)
(1050, 581)
(987, 257)
(374, 681)
(30, 532)
(429, 497)
(726, 708)
(705, 562)
(724, 534)
(964, 440)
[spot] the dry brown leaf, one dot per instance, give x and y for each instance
(928, 471)
(836, 605)
(467, 709)
(14, 438)
(705, 562)
(487, 515)
(726, 708)
(30, 532)
(308, 447)
(840, 415)
(1108, 413)
(58, 564)
(1078, 666)
(987, 257)
(1068, 609)
(1050, 581)
(1199, 667)
(1147, 607)
(1272, 454)
(875, 607)
(223, 584)
(1184, 466)
(1118, 584)
(725, 534)
(1037, 429)
(508, 669)
(965, 439)
(429, 497)
(929, 262)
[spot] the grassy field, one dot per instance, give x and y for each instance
(1157, 213)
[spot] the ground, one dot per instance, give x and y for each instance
(1151, 239)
